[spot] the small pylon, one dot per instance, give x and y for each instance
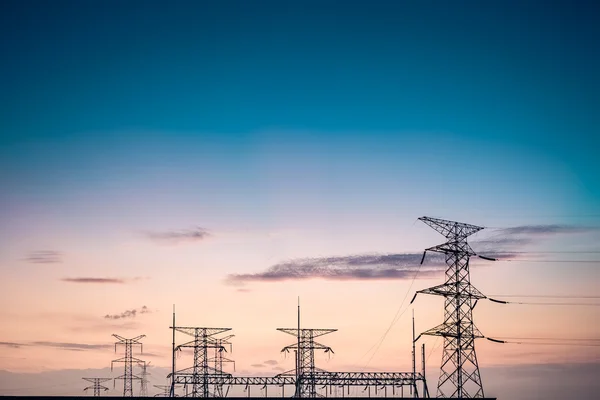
(144, 379)
(219, 359)
(128, 376)
(96, 385)
(200, 371)
(305, 356)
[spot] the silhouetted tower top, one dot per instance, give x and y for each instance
(96, 385)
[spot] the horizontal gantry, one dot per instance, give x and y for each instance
(318, 378)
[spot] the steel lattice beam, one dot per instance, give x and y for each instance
(320, 379)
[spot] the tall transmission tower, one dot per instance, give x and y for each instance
(304, 348)
(128, 376)
(459, 376)
(97, 385)
(201, 370)
(144, 379)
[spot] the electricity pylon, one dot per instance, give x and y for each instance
(144, 379)
(459, 376)
(200, 371)
(219, 359)
(305, 356)
(96, 385)
(128, 376)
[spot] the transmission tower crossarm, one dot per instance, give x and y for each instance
(466, 290)
(451, 228)
(315, 332)
(133, 340)
(191, 331)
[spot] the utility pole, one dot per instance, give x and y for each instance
(96, 385)
(172, 390)
(459, 376)
(128, 376)
(413, 387)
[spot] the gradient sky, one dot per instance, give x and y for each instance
(154, 153)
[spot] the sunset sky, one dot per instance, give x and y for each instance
(228, 157)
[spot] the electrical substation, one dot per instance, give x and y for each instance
(206, 378)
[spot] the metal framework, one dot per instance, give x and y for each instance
(165, 390)
(322, 379)
(459, 376)
(128, 376)
(219, 359)
(307, 379)
(144, 380)
(306, 371)
(97, 385)
(198, 374)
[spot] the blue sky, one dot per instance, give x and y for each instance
(398, 90)
(287, 129)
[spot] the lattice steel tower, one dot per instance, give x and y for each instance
(459, 375)
(96, 385)
(305, 357)
(128, 376)
(144, 379)
(219, 359)
(200, 371)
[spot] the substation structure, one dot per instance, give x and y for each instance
(459, 372)
(206, 377)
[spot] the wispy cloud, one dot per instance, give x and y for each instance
(352, 267)
(257, 365)
(101, 280)
(72, 346)
(400, 266)
(546, 229)
(519, 236)
(271, 362)
(129, 313)
(44, 257)
(155, 355)
(12, 345)
(106, 327)
(194, 234)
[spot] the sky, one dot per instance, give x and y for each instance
(229, 157)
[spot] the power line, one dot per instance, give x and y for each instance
(545, 296)
(552, 261)
(544, 252)
(555, 344)
(397, 317)
(555, 304)
(548, 338)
